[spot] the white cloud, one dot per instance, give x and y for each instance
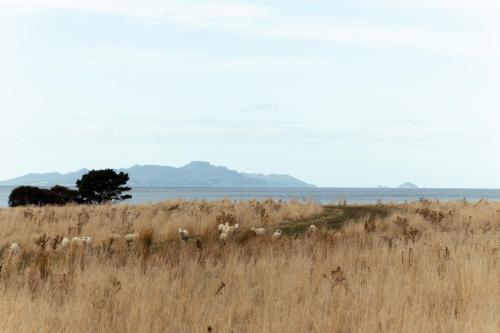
(481, 44)
(483, 7)
(280, 22)
(114, 56)
(220, 9)
(182, 11)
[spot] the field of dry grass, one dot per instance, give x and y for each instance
(420, 267)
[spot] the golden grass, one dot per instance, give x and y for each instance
(23, 225)
(428, 267)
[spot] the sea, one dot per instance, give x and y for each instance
(319, 194)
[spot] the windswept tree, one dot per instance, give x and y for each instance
(103, 186)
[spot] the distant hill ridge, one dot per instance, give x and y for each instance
(197, 173)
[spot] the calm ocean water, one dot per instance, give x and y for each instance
(323, 195)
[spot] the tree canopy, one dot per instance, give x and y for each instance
(102, 186)
(31, 195)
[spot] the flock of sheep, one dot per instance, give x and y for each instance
(225, 233)
(83, 241)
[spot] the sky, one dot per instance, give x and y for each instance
(355, 93)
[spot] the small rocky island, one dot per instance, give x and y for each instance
(408, 185)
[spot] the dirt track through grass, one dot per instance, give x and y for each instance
(334, 217)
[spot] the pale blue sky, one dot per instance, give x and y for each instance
(336, 93)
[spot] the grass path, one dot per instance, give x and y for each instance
(334, 217)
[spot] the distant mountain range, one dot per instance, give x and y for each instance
(201, 174)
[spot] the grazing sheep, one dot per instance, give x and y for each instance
(183, 234)
(222, 227)
(312, 229)
(224, 236)
(258, 231)
(65, 242)
(87, 240)
(77, 241)
(15, 248)
(232, 229)
(226, 227)
(277, 234)
(132, 237)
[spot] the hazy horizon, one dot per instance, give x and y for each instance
(336, 94)
(390, 186)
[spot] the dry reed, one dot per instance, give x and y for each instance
(428, 267)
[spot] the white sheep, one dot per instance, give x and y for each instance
(222, 227)
(277, 234)
(132, 237)
(65, 242)
(77, 241)
(224, 236)
(258, 231)
(312, 229)
(15, 248)
(232, 229)
(183, 234)
(87, 240)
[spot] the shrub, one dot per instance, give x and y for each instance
(65, 195)
(31, 195)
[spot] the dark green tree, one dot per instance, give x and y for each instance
(103, 186)
(30, 195)
(64, 195)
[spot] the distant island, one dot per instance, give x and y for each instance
(198, 173)
(408, 185)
